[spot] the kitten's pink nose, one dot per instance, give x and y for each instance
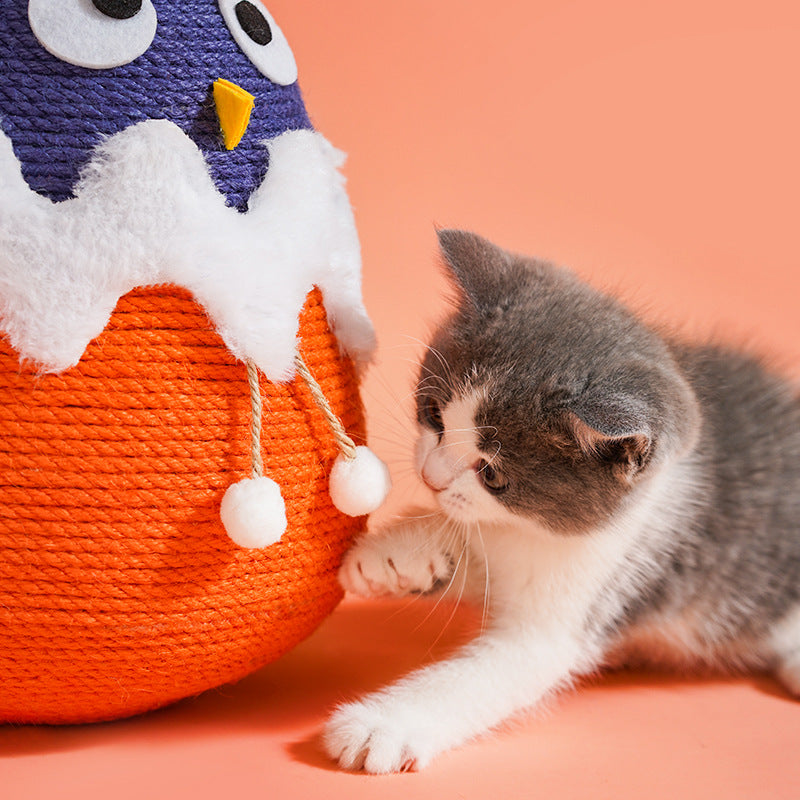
(432, 486)
(435, 478)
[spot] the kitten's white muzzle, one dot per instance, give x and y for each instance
(440, 458)
(438, 466)
(448, 464)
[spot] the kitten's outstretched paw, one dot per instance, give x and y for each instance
(388, 564)
(361, 736)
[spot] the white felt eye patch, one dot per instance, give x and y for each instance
(262, 41)
(98, 34)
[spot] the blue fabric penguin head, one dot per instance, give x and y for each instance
(77, 71)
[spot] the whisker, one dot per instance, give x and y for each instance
(486, 584)
(431, 515)
(458, 599)
(410, 601)
(494, 455)
(437, 355)
(427, 347)
(403, 445)
(472, 429)
(452, 577)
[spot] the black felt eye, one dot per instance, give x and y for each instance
(253, 23)
(118, 9)
(492, 478)
(260, 38)
(431, 414)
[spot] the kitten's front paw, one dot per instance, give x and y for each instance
(364, 736)
(394, 562)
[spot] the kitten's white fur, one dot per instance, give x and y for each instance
(549, 597)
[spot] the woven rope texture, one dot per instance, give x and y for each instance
(56, 113)
(119, 589)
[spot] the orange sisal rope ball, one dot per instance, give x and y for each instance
(119, 588)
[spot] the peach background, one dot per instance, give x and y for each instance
(652, 147)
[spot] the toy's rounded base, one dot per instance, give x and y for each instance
(119, 589)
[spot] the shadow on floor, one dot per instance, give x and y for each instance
(357, 649)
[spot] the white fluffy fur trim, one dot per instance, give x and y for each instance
(147, 212)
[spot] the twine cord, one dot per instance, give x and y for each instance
(256, 413)
(346, 444)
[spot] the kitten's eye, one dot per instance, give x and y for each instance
(96, 34)
(260, 39)
(431, 415)
(492, 478)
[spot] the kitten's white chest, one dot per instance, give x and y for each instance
(542, 579)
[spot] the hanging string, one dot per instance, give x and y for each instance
(346, 445)
(256, 410)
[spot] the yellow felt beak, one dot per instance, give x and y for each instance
(234, 105)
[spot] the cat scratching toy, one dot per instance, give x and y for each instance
(181, 313)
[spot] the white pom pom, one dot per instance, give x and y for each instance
(359, 486)
(253, 512)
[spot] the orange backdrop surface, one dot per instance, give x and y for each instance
(654, 148)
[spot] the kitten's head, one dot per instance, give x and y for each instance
(542, 398)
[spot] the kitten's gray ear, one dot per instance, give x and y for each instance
(614, 429)
(478, 268)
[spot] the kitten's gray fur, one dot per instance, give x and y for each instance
(552, 347)
(627, 494)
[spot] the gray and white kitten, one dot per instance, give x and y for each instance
(611, 493)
